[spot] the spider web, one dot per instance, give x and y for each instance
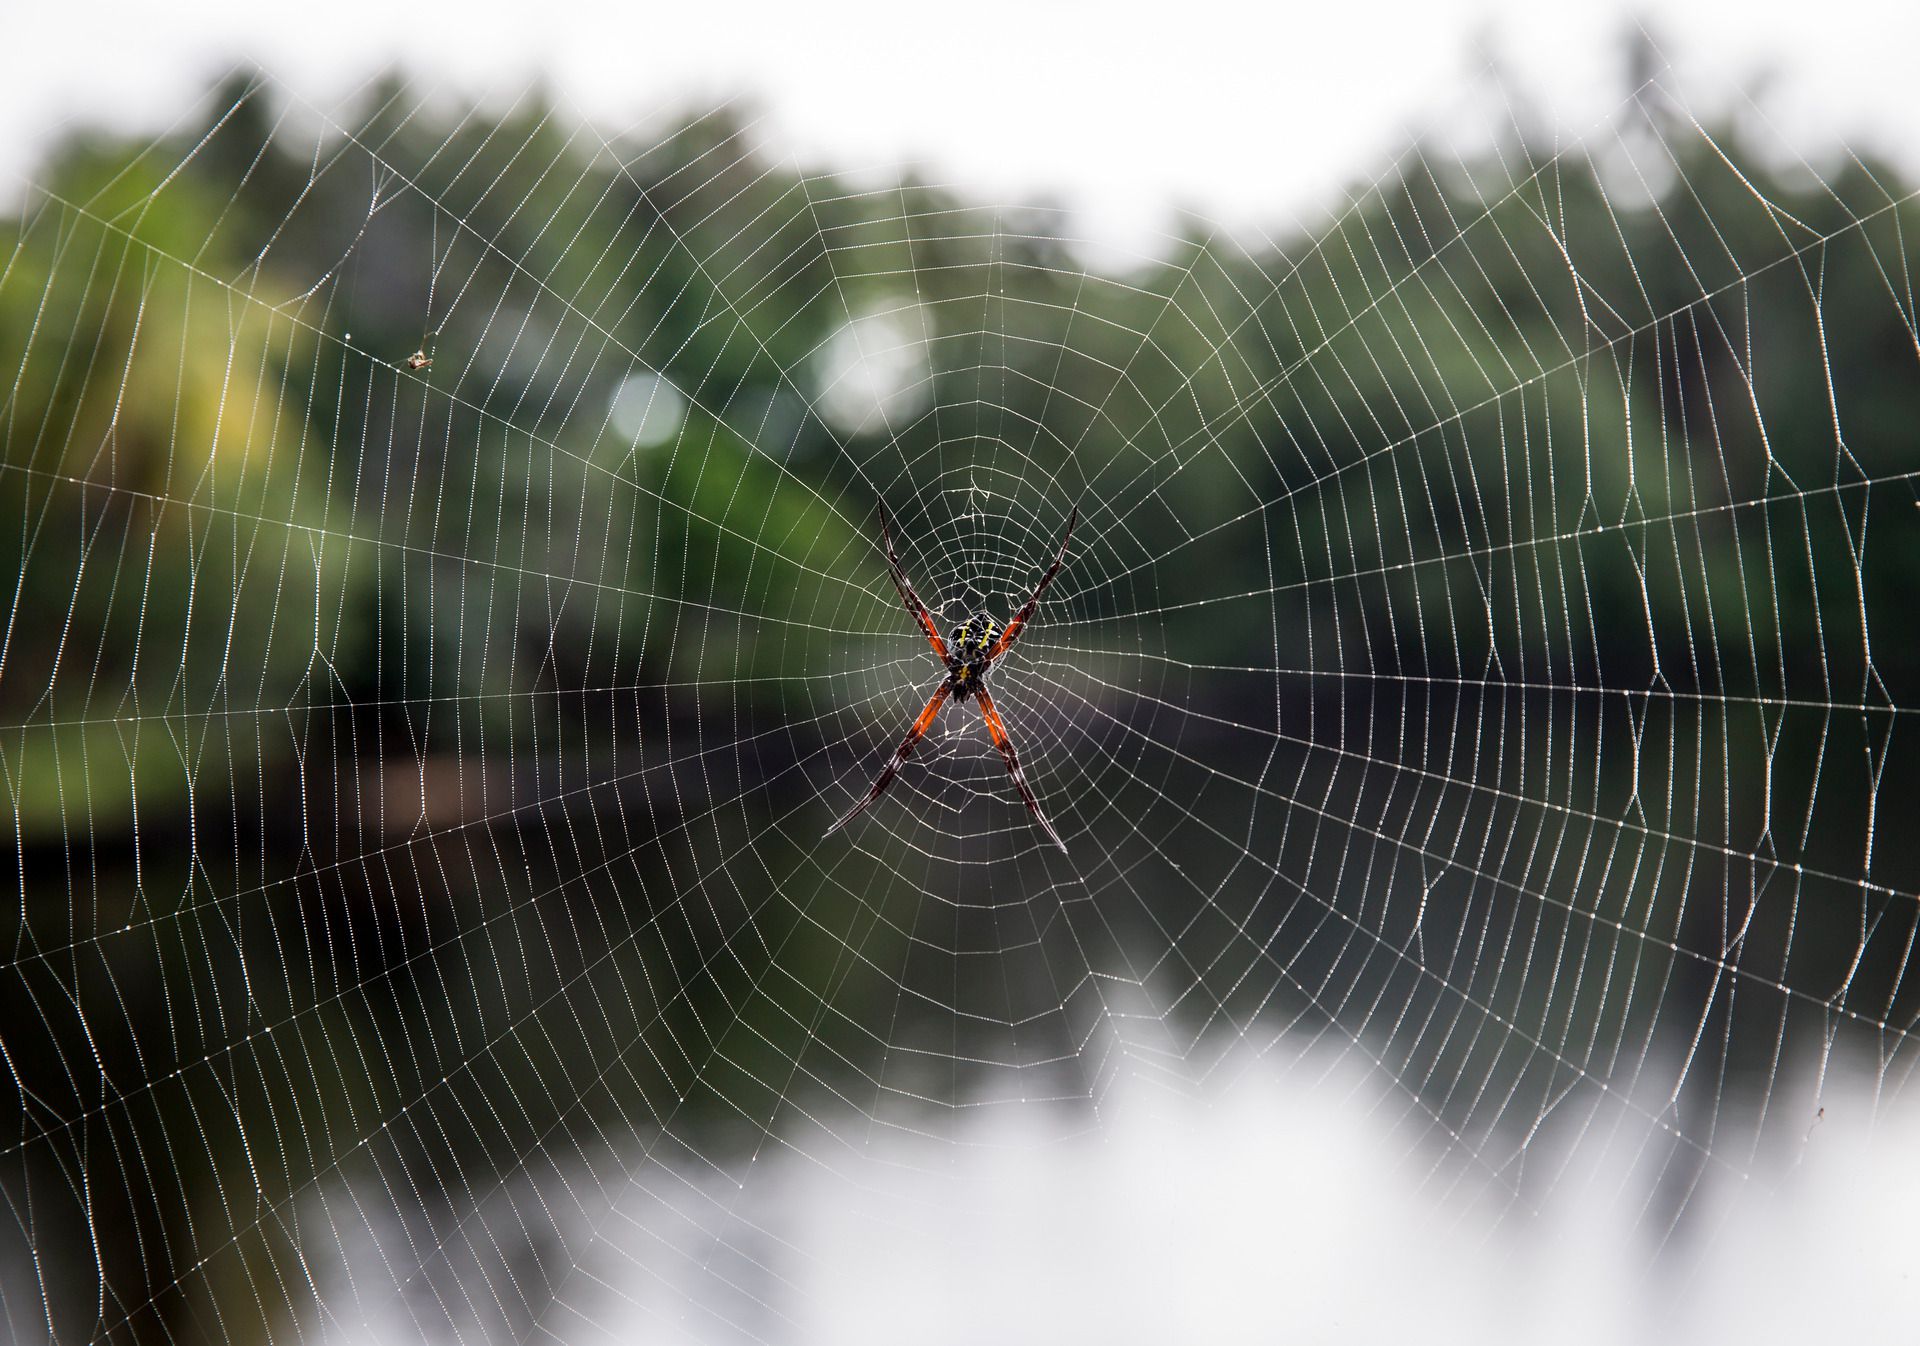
(1463, 693)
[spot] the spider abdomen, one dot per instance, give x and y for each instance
(968, 653)
(974, 637)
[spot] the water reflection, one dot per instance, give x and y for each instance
(1300, 1200)
(504, 1049)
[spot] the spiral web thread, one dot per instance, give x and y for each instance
(1474, 663)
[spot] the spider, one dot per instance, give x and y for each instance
(969, 653)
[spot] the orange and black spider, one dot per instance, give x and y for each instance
(977, 645)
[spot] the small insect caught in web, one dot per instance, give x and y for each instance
(420, 359)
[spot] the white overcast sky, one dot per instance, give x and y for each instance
(1244, 112)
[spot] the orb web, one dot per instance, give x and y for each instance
(1464, 675)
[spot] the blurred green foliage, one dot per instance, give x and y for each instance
(225, 498)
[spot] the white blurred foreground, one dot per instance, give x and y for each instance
(1290, 1206)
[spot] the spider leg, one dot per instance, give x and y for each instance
(907, 595)
(1001, 741)
(900, 755)
(1012, 631)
